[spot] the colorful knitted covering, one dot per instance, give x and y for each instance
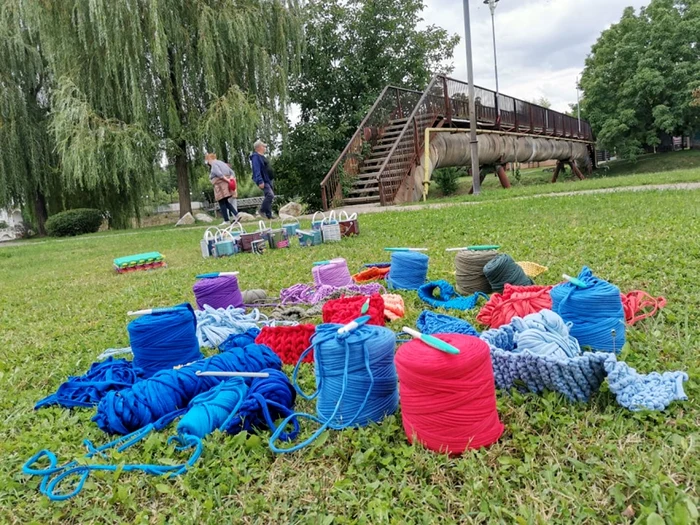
(394, 307)
(432, 323)
(310, 294)
(447, 297)
(288, 342)
(371, 274)
(514, 301)
(346, 309)
(636, 391)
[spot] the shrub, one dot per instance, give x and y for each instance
(4, 225)
(74, 222)
(446, 180)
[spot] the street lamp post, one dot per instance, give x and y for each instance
(492, 6)
(578, 106)
(476, 180)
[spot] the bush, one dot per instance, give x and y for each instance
(74, 222)
(446, 180)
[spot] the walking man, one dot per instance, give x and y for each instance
(263, 177)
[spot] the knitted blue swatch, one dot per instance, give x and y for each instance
(448, 297)
(637, 391)
(432, 323)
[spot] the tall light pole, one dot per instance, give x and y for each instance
(492, 6)
(578, 105)
(476, 180)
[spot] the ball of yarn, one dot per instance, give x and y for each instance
(207, 411)
(335, 273)
(448, 402)
(288, 342)
(219, 292)
(164, 339)
(503, 269)
(469, 271)
(514, 301)
(254, 296)
(409, 270)
(346, 309)
(240, 340)
(596, 312)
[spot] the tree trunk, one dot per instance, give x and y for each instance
(183, 180)
(40, 212)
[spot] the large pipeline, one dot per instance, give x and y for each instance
(452, 149)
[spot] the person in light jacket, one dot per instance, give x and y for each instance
(219, 175)
(263, 176)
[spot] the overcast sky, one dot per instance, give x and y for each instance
(542, 44)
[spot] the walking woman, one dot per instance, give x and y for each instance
(220, 175)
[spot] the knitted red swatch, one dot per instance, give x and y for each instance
(347, 309)
(288, 342)
(514, 301)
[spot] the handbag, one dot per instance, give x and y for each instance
(316, 225)
(349, 225)
(330, 229)
(246, 239)
(208, 242)
(232, 184)
(309, 237)
(225, 244)
(291, 227)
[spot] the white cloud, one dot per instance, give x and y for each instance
(542, 44)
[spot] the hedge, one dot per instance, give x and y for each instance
(74, 222)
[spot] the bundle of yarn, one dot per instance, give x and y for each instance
(311, 294)
(502, 270)
(446, 296)
(288, 342)
(371, 274)
(469, 271)
(215, 325)
(355, 377)
(346, 309)
(409, 270)
(255, 297)
(394, 307)
(514, 301)
(595, 312)
(448, 402)
(639, 305)
(335, 273)
(240, 340)
(164, 339)
(170, 391)
(219, 292)
(434, 323)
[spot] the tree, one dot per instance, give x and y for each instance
(136, 79)
(640, 76)
(542, 101)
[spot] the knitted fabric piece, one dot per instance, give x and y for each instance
(394, 307)
(637, 391)
(514, 301)
(371, 274)
(346, 309)
(432, 323)
(288, 342)
(447, 297)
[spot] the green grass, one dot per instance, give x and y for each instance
(557, 462)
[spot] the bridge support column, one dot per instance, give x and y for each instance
(557, 169)
(502, 176)
(576, 171)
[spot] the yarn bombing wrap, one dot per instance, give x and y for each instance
(219, 292)
(447, 297)
(448, 402)
(431, 323)
(355, 377)
(502, 270)
(596, 313)
(335, 273)
(309, 294)
(288, 342)
(409, 270)
(164, 339)
(346, 309)
(514, 301)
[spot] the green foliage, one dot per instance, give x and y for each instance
(542, 101)
(4, 225)
(74, 222)
(446, 179)
(639, 78)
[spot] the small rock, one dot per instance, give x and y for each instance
(185, 220)
(628, 512)
(245, 217)
(203, 217)
(291, 208)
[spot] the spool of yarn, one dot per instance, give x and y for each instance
(469, 271)
(255, 296)
(503, 269)
(219, 292)
(448, 402)
(164, 339)
(409, 270)
(356, 380)
(335, 273)
(596, 312)
(169, 391)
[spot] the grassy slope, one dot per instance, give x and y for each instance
(557, 462)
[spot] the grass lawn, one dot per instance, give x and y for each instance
(557, 462)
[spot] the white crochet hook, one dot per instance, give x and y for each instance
(405, 249)
(232, 374)
(354, 325)
(214, 275)
(148, 311)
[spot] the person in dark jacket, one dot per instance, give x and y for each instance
(263, 176)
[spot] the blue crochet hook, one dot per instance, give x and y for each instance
(214, 275)
(432, 341)
(576, 282)
(321, 263)
(405, 249)
(354, 325)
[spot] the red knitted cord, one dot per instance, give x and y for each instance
(637, 301)
(288, 342)
(448, 402)
(347, 309)
(514, 301)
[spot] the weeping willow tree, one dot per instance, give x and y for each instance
(137, 81)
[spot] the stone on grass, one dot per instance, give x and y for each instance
(203, 217)
(245, 217)
(185, 220)
(291, 208)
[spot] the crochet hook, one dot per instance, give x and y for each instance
(213, 275)
(432, 341)
(232, 374)
(405, 249)
(365, 307)
(148, 311)
(476, 248)
(354, 325)
(575, 281)
(321, 263)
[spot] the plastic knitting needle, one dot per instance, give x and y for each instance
(475, 248)
(232, 374)
(214, 275)
(575, 281)
(431, 341)
(354, 325)
(405, 249)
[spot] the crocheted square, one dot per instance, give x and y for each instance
(288, 342)
(347, 309)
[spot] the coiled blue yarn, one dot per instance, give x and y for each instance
(356, 380)
(240, 340)
(596, 313)
(432, 323)
(409, 270)
(448, 298)
(171, 390)
(164, 339)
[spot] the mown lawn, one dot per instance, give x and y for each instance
(557, 462)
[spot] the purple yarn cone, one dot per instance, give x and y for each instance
(220, 292)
